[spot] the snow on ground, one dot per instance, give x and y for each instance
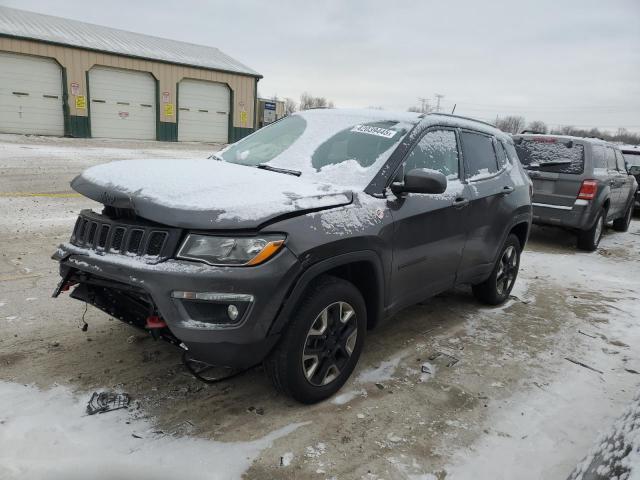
(46, 434)
(533, 434)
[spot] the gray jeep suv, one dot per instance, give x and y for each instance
(287, 246)
(578, 183)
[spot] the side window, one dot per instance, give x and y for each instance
(611, 158)
(511, 152)
(620, 161)
(502, 156)
(479, 155)
(597, 153)
(437, 150)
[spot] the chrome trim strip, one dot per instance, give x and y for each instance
(546, 205)
(212, 296)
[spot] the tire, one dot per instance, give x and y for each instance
(622, 224)
(313, 338)
(496, 289)
(589, 240)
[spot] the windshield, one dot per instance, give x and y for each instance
(339, 147)
(632, 158)
(551, 155)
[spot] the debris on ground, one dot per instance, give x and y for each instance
(107, 401)
(577, 362)
(586, 334)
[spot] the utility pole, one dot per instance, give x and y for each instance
(439, 97)
(423, 106)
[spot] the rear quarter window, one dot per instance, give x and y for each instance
(551, 155)
(597, 153)
(479, 154)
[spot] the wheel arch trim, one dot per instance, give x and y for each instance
(323, 266)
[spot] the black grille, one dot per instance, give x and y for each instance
(91, 237)
(116, 240)
(156, 241)
(125, 236)
(135, 238)
(104, 232)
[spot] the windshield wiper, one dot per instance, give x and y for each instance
(547, 163)
(215, 157)
(264, 166)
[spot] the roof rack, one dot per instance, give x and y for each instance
(464, 118)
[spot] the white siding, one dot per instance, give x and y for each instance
(123, 104)
(203, 114)
(30, 95)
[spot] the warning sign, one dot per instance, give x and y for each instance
(81, 102)
(166, 97)
(168, 109)
(243, 118)
(75, 88)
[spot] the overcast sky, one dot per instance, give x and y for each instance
(564, 62)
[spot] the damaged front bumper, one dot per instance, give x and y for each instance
(222, 315)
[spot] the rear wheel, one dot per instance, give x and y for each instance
(622, 224)
(322, 344)
(590, 239)
(496, 289)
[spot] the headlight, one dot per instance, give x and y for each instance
(230, 250)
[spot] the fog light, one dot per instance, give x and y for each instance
(232, 311)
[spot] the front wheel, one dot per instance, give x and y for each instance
(496, 289)
(622, 224)
(322, 344)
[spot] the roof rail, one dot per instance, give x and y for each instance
(464, 118)
(535, 132)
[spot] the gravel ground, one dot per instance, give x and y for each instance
(446, 389)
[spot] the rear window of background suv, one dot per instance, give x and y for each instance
(551, 155)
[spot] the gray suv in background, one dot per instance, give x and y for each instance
(287, 246)
(631, 155)
(578, 183)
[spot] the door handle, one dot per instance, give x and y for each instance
(460, 202)
(507, 190)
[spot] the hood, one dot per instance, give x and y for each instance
(204, 194)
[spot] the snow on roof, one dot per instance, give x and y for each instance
(47, 28)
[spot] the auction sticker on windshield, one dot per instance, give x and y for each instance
(380, 132)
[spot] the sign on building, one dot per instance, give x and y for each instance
(269, 115)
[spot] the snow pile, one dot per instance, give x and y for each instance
(47, 435)
(617, 452)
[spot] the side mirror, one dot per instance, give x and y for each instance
(634, 170)
(420, 181)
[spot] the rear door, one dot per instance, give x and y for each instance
(429, 231)
(556, 167)
(489, 185)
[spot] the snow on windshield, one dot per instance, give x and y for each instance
(342, 147)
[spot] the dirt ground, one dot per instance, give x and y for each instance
(446, 389)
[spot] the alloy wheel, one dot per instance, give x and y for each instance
(329, 343)
(507, 270)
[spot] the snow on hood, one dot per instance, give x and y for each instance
(205, 194)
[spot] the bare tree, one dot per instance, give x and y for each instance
(538, 126)
(510, 124)
(308, 101)
(290, 106)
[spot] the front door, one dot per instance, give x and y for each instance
(429, 230)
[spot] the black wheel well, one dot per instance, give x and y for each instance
(521, 230)
(605, 204)
(364, 276)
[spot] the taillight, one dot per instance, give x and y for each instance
(588, 190)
